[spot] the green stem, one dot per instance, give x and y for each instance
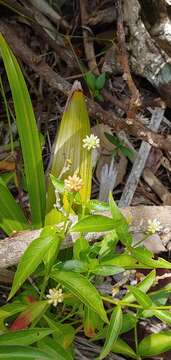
(43, 287)
(136, 306)
(117, 302)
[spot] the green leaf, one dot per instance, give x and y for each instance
(8, 177)
(104, 270)
(108, 243)
(121, 347)
(160, 297)
(97, 205)
(100, 81)
(113, 331)
(62, 333)
(32, 257)
(155, 344)
(11, 309)
(93, 223)
(57, 183)
(163, 315)
(98, 96)
(68, 145)
(120, 223)
(141, 254)
(52, 253)
(80, 246)
(142, 298)
(90, 80)
(129, 322)
(144, 286)
(11, 215)
(28, 133)
(127, 152)
(123, 260)
(33, 311)
(91, 321)
(54, 217)
(74, 265)
(51, 347)
(23, 352)
(113, 139)
(24, 337)
(82, 288)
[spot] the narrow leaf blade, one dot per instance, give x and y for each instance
(11, 215)
(82, 288)
(28, 134)
(32, 257)
(24, 337)
(113, 331)
(155, 344)
(93, 223)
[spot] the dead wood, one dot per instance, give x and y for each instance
(140, 161)
(55, 81)
(143, 50)
(12, 248)
(88, 41)
(157, 186)
(106, 16)
(45, 8)
(157, 19)
(123, 56)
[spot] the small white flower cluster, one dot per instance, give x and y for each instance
(91, 142)
(55, 296)
(153, 226)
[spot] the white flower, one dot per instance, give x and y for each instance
(91, 142)
(55, 296)
(73, 183)
(153, 226)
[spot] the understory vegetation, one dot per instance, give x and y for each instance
(57, 292)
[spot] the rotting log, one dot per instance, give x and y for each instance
(12, 248)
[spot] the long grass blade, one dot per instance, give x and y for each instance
(11, 216)
(28, 135)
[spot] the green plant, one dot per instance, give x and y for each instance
(119, 146)
(54, 294)
(95, 84)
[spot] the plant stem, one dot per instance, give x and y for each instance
(43, 287)
(118, 302)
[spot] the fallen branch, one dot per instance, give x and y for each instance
(12, 248)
